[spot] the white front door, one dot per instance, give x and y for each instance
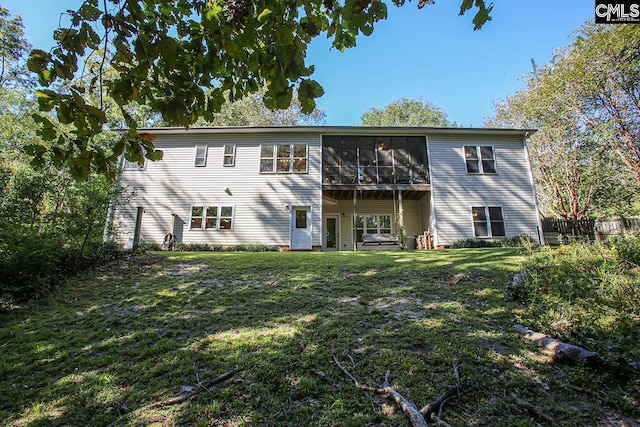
(300, 228)
(331, 238)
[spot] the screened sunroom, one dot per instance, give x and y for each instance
(375, 189)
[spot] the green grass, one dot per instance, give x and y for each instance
(107, 348)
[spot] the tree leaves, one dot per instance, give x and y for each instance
(482, 15)
(12, 49)
(264, 15)
(184, 59)
(406, 112)
(585, 106)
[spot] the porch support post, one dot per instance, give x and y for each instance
(400, 210)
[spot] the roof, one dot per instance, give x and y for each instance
(341, 130)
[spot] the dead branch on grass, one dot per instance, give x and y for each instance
(561, 352)
(187, 395)
(418, 417)
(532, 409)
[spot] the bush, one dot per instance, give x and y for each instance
(585, 293)
(253, 247)
(29, 266)
(94, 255)
(520, 241)
(243, 247)
(32, 265)
(193, 247)
(474, 243)
(144, 247)
(626, 249)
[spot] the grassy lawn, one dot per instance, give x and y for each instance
(126, 345)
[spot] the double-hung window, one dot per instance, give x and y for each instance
(488, 221)
(201, 156)
(211, 218)
(226, 218)
(134, 165)
(284, 158)
(480, 159)
(229, 155)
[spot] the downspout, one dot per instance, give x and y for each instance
(395, 212)
(111, 211)
(434, 218)
(353, 222)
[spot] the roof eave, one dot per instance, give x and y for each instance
(341, 130)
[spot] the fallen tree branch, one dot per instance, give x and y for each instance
(408, 407)
(434, 406)
(561, 352)
(418, 417)
(534, 410)
(184, 396)
(221, 378)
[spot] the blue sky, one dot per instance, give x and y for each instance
(430, 53)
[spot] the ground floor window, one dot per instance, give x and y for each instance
(204, 217)
(372, 224)
(488, 221)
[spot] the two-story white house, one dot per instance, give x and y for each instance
(330, 188)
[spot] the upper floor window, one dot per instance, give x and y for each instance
(201, 155)
(211, 218)
(284, 158)
(488, 221)
(134, 165)
(229, 155)
(480, 159)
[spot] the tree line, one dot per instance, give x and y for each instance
(586, 106)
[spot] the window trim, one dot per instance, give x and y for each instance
(219, 217)
(204, 158)
(480, 160)
(232, 155)
(231, 217)
(202, 216)
(292, 158)
(488, 220)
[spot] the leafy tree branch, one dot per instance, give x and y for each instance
(185, 59)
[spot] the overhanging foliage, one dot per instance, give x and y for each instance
(185, 59)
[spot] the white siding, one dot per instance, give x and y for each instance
(425, 212)
(455, 191)
(260, 201)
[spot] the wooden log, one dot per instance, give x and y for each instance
(561, 352)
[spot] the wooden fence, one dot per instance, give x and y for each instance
(592, 229)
